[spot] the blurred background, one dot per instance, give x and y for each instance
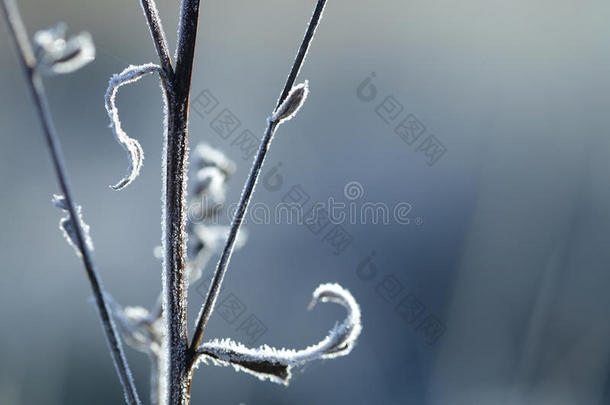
(487, 117)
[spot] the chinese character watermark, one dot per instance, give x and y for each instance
(405, 125)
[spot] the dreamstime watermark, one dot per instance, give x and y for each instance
(355, 210)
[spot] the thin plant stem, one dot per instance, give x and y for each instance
(302, 53)
(248, 189)
(28, 62)
(177, 373)
(158, 35)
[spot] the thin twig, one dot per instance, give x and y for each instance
(28, 61)
(174, 211)
(223, 263)
(158, 34)
(298, 61)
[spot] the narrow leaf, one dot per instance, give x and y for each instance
(294, 101)
(268, 363)
(132, 146)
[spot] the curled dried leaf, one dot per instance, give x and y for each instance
(132, 146)
(268, 363)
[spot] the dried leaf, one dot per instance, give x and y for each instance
(291, 105)
(133, 148)
(268, 363)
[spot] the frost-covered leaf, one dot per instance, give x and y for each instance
(56, 55)
(133, 148)
(268, 363)
(293, 102)
(67, 226)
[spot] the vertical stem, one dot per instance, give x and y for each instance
(174, 239)
(28, 61)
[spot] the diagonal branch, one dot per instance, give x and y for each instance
(158, 34)
(302, 53)
(223, 263)
(28, 61)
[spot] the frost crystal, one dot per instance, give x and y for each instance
(291, 105)
(268, 363)
(67, 226)
(133, 148)
(55, 55)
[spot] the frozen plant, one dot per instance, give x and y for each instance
(187, 247)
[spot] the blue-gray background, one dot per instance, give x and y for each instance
(511, 254)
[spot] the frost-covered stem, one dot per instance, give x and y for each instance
(177, 372)
(248, 189)
(174, 240)
(28, 62)
(156, 30)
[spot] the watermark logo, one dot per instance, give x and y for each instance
(296, 207)
(405, 304)
(353, 190)
(405, 124)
